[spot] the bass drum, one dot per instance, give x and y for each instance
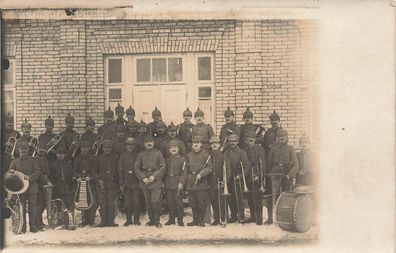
(16, 208)
(293, 212)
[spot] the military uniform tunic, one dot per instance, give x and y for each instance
(227, 129)
(246, 128)
(185, 133)
(205, 131)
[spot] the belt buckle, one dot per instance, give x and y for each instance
(108, 171)
(130, 171)
(171, 175)
(280, 164)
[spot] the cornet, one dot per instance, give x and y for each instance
(262, 188)
(33, 143)
(245, 189)
(10, 149)
(75, 144)
(54, 142)
(97, 144)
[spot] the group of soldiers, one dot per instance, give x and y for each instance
(136, 159)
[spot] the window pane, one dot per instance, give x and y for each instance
(8, 74)
(205, 92)
(115, 94)
(115, 71)
(143, 70)
(159, 69)
(204, 68)
(8, 107)
(175, 68)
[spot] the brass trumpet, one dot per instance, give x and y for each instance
(245, 189)
(75, 144)
(54, 142)
(33, 143)
(10, 149)
(225, 192)
(97, 144)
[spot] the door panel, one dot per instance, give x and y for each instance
(145, 98)
(173, 103)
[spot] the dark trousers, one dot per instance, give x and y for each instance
(198, 200)
(236, 200)
(41, 204)
(132, 202)
(89, 215)
(31, 200)
(214, 201)
(255, 201)
(279, 184)
(107, 197)
(175, 203)
(153, 198)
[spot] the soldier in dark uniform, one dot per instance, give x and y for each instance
(152, 126)
(47, 137)
(256, 156)
(61, 174)
(269, 141)
(8, 132)
(161, 135)
(172, 133)
(195, 180)
(175, 164)
(29, 167)
(250, 127)
(43, 181)
(230, 127)
(133, 127)
(84, 169)
(69, 134)
(185, 129)
(142, 132)
(202, 129)
(119, 141)
(119, 111)
(282, 165)
(218, 162)
(108, 184)
(26, 128)
(107, 129)
(89, 135)
(129, 184)
(237, 158)
(150, 169)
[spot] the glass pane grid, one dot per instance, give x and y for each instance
(204, 68)
(114, 70)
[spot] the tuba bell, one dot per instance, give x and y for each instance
(15, 183)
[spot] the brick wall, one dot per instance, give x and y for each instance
(263, 64)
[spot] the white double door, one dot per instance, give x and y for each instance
(170, 99)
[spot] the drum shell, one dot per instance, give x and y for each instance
(294, 212)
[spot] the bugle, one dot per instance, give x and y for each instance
(54, 142)
(10, 149)
(97, 144)
(75, 145)
(33, 143)
(225, 140)
(245, 189)
(196, 178)
(262, 188)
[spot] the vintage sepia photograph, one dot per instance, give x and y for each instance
(140, 125)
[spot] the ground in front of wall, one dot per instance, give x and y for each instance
(232, 234)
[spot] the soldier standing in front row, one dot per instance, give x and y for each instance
(185, 129)
(150, 169)
(175, 164)
(269, 141)
(250, 127)
(84, 170)
(195, 181)
(202, 129)
(239, 164)
(106, 165)
(219, 164)
(129, 184)
(256, 156)
(230, 127)
(27, 166)
(282, 166)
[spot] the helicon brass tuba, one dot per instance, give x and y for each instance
(10, 149)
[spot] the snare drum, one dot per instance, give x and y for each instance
(293, 212)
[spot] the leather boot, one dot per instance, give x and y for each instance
(151, 218)
(171, 220)
(269, 221)
(103, 218)
(136, 220)
(157, 215)
(195, 218)
(129, 219)
(201, 216)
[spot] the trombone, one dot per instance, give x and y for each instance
(54, 142)
(97, 144)
(245, 189)
(10, 149)
(262, 187)
(75, 144)
(33, 143)
(225, 193)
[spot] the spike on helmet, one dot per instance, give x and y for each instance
(26, 124)
(228, 112)
(172, 127)
(142, 124)
(130, 111)
(274, 116)
(199, 113)
(119, 108)
(90, 122)
(247, 113)
(109, 113)
(156, 112)
(187, 112)
(49, 121)
(69, 118)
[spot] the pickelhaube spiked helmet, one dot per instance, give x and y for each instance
(156, 112)
(228, 112)
(199, 113)
(49, 121)
(247, 113)
(130, 111)
(187, 112)
(109, 113)
(26, 124)
(69, 118)
(119, 108)
(274, 116)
